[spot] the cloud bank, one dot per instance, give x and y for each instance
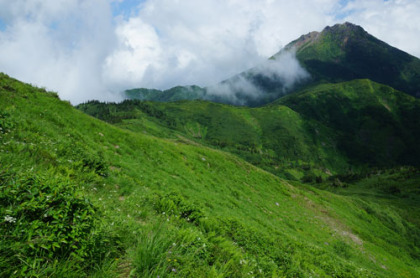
(95, 49)
(284, 70)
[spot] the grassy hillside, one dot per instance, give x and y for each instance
(274, 138)
(327, 129)
(80, 197)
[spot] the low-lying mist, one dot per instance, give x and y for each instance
(273, 78)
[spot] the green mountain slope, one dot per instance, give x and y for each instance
(376, 124)
(80, 197)
(330, 128)
(345, 51)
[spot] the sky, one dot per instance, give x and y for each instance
(95, 49)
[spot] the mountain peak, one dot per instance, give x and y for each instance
(344, 29)
(346, 26)
(339, 30)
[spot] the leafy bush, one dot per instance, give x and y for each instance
(42, 221)
(5, 123)
(96, 163)
(174, 203)
(83, 159)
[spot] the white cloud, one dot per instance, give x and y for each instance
(204, 42)
(81, 50)
(58, 44)
(284, 68)
(138, 53)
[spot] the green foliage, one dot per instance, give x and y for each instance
(5, 123)
(151, 253)
(95, 163)
(43, 220)
(175, 204)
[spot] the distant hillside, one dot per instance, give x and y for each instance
(375, 124)
(339, 53)
(174, 94)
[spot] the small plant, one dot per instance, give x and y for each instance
(95, 163)
(178, 205)
(5, 123)
(151, 252)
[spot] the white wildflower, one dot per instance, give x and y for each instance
(10, 219)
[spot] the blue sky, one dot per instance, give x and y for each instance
(129, 7)
(126, 8)
(2, 25)
(95, 49)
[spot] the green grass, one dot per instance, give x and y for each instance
(174, 207)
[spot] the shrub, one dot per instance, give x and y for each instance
(42, 221)
(174, 203)
(96, 163)
(5, 122)
(308, 177)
